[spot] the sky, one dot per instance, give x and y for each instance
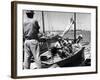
(60, 20)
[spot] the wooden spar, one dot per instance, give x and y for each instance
(74, 27)
(43, 22)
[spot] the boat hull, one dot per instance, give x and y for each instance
(74, 60)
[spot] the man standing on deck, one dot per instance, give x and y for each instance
(31, 44)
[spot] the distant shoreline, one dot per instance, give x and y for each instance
(62, 30)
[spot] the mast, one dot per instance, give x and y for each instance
(44, 28)
(43, 22)
(75, 27)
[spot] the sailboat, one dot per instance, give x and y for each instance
(59, 55)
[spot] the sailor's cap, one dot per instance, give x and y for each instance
(80, 35)
(29, 11)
